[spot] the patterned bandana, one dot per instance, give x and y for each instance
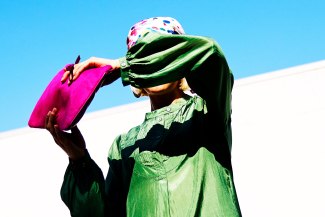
(165, 25)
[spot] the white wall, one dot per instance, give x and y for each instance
(278, 153)
(32, 165)
(278, 133)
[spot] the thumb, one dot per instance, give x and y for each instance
(75, 130)
(78, 137)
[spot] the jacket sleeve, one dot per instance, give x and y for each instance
(83, 188)
(159, 58)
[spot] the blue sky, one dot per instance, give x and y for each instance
(39, 37)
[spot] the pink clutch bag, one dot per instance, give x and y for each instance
(71, 100)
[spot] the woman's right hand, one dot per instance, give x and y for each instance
(72, 143)
(93, 62)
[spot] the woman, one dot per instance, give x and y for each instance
(177, 162)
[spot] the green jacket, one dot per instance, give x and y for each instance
(177, 162)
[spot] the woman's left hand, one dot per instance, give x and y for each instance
(93, 62)
(72, 143)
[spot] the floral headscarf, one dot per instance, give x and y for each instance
(166, 25)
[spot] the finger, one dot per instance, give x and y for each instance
(65, 76)
(51, 120)
(50, 126)
(52, 116)
(78, 69)
(81, 67)
(47, 120)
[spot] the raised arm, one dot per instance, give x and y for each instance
(159, 58)
(83, 186)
